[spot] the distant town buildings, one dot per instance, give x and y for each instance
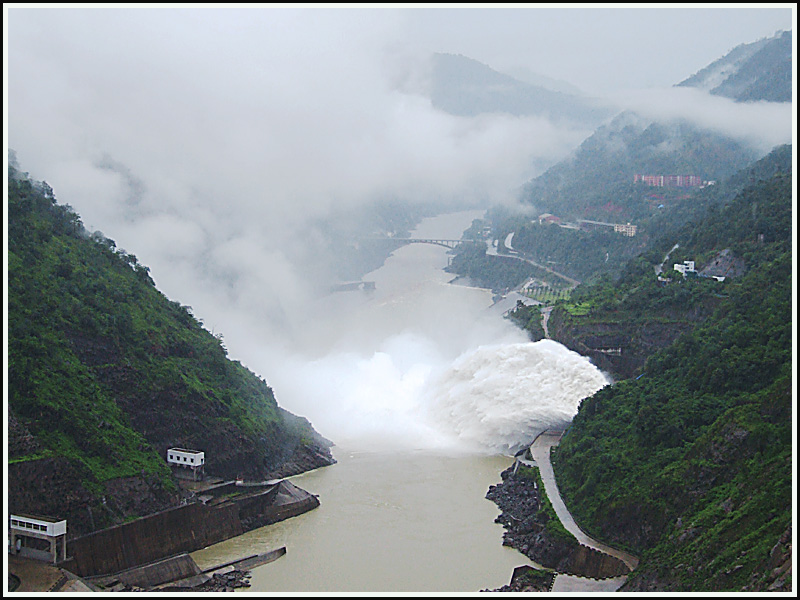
(625, 229)
(548, 219)
(724, 265)
(686, 268)
(671, 180)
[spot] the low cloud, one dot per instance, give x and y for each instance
(760, 125)
(212, 142)
(206, 141)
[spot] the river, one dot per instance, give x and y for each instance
(426, 393)
(387, 522)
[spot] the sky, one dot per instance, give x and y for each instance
(600, 50)
(207, 140)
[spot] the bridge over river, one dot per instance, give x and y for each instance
(438, 242)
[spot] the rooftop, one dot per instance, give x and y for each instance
(185, 450)
(44, 518)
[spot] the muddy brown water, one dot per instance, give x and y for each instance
(387, 522)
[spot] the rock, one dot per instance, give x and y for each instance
(526, 531)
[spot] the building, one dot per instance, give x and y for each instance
(187, 461)
(686, 268)
(671, 180)
(548, 219)
(38, 537)
(627, 229)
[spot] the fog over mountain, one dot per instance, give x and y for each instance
(757, 71)
(212, 142)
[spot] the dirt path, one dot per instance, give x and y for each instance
(546, 317)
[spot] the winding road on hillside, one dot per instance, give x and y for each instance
(540, 451)
(492, 250)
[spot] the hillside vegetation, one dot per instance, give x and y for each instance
(105, 373)
(465, 87)
(637, 314)
(689, 463)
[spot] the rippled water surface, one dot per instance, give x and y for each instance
(387, 522)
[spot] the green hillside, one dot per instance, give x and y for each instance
(689, 463)
(105, 373)
(579, 197)
(597, 182)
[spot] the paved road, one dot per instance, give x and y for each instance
(34, 575)
(571, 583)
(545, 318)
(540, 450)
(541, 454)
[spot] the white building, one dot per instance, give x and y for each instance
(42, 538)
(192, 460)
(686, 267)
(627, 229)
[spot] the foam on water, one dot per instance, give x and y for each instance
(499, 397)
(491, 399)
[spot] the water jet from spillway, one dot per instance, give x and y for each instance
(497, 398)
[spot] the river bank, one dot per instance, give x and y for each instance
(538, 523)
(533, 530)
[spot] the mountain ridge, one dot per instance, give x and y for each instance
(760, 70)
(463, 86)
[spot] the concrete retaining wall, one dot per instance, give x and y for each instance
(588, 562)
(183, 529)
(169, 569)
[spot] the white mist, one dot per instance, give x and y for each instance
(421, 364)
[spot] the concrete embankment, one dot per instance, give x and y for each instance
(153, 574)
(527, 525)
(183, 529)
(540, 451)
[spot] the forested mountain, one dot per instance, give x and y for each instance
(695, 467)
(689, 464)
(686, 460)
(760, 70)
(588, 253)
(610, 177)
(465, 87)
(105, 373)
(598, 181)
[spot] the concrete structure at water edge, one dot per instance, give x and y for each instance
(229, 511)
(187, 464)
(38, 537)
